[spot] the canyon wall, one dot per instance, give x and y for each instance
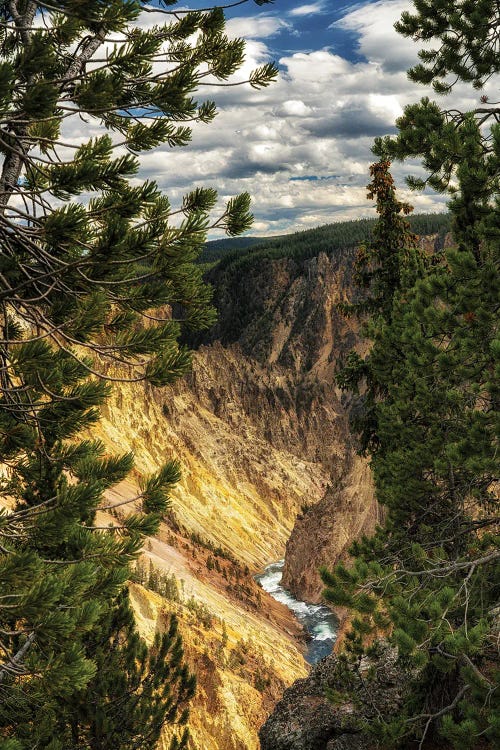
(233, 653)
(324, 532)
(262, 435)
(259, 426)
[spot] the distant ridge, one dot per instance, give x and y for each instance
(310, 242)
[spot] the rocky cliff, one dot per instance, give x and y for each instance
(262, 435)
(320, 713)
(323, 532)
(259, 427)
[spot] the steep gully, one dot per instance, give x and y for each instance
(269, 468)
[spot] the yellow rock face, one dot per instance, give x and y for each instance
(259, 436)
(238, 490)
(239, 677)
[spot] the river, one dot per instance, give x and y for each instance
(317, 620)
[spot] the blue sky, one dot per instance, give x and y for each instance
(301, 147)
(310, 25)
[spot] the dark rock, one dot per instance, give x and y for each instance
(349, 742)
(306, 719)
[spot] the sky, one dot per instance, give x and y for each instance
(301, 147)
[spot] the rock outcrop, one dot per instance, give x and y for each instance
(323, 532)
(316, 714)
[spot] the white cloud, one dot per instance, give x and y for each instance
(318, 120)
(306, 10)
(293, 108)
(385, 105)
(378, 41)
(256, 27)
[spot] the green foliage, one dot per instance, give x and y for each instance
(60, 571)
(98, 280)
(118, 250)
(464, 48)
(140, 689)
(201, 612)
(430, 419)
(428, 579)
(392, 241)
(218, 551)
(330, 238)
(154, 579)
(261, 682)
(467, 43)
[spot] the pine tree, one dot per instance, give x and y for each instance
(383, 266)
(61, 571)
(97, 280)
(467, 42)
(87, 272)
(388, 264)
(429, 576)
(464, 36)
(135, 691)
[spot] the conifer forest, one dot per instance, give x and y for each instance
(249, 375)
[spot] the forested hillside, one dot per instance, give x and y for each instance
(243, 306)
(301, 245)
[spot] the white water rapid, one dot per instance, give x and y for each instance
(317, 620)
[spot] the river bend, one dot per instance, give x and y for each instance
(317, 620)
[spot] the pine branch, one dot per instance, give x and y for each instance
(14, 665)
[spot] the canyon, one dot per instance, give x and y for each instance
(268, 467)
(261, 433)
